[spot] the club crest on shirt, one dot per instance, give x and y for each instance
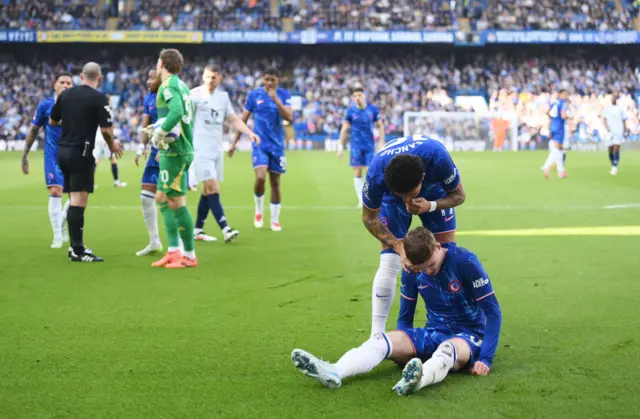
(455, 286)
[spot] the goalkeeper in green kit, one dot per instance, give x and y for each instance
(174, 140)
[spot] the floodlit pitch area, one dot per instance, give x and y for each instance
(123, 340)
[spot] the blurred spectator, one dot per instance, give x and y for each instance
(396, 85)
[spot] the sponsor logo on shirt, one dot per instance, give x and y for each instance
(480, 282)
(452, 177)
(259, 101)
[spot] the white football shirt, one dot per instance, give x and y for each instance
(209, 112)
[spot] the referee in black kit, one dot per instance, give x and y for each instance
(81, 110)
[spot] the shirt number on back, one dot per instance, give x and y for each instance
(187, 104)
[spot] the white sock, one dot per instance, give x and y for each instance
(259, 203)
(275, 212)
(364, 358)
(551, 158)
(437, 367)
(191, 255)
(560, 160)
(150, 214)
(55, 215)
(384, 289)
(358, 184)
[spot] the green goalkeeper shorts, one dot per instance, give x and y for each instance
(173, 173)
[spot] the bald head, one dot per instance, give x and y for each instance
(91, 71)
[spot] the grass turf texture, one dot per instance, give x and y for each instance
(123, 340)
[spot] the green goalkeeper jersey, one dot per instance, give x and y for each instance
(173, 104)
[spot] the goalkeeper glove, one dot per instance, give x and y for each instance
(158, 139)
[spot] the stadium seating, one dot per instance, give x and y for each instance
(322, 14)
(395, 85)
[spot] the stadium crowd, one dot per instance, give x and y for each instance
(320, 14)
(395, 85)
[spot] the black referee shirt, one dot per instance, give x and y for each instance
(82, 109)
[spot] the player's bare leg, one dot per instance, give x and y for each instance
(276, 199)
(452, 354)
(614, 157)
(358, 182)
(211, 193)
(395, 346)
(115, 173)
(258, 195)
(150, 214)
(56, 216)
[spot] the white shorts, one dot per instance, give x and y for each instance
(101, 150)
(614, 139)
(209, 168)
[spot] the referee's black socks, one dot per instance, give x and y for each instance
(75, 219)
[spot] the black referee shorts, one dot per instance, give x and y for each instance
(78, 170)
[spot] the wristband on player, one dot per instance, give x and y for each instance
(434, 206)
(141, 148)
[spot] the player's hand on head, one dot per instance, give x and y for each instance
(480, 368)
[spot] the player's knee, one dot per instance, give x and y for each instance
(458, 349)
(55, 191)
(401, 348)
(79, 199)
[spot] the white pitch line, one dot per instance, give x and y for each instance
(353, 208)
(620, 206)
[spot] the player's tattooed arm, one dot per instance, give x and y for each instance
(31, 138)
(380, 231)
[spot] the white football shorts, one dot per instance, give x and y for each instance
(209, 168)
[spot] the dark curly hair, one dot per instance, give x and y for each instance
(404, 173)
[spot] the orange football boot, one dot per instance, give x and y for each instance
(183, 262)
(168, 258)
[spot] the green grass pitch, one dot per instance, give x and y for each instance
(123, 340)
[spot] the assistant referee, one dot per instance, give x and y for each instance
(81, 110)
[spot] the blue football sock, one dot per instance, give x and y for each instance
(616, 158)
(203, 210)
(114, 171)
(611, 156)
(217, 211)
